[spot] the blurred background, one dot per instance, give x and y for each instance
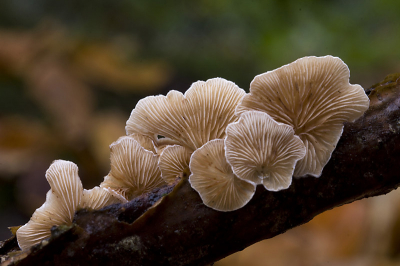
(71, 72)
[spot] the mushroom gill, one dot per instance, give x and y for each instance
(213, 179)
(134, 170)
(314, 96)
(190, 120)
(263, 151)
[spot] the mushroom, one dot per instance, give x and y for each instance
(61, 203)
(314, 96)
(213, 179)
(174, 163)
(263, 151)
(144, 141)
(98, 197)
(189, 120)
(134, 170)
(62, 200)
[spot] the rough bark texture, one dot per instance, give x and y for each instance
(180, 230)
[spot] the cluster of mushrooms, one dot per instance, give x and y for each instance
(226, 140)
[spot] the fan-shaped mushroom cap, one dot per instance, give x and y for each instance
(313, 95)
(162, 143)
(213, 179)
(262, 150)
(134, 170)
(174, 162)
(189, 120)
(61, 202)
(97, 198)
(144, 141)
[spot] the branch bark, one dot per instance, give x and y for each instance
(180, 230)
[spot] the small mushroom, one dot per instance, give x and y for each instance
(61, 203)
(314, 96)
(174, 163)
(189, 120)
(98, 197)
(144, 141)
(263, 151)
(64, 198)
(213, 179)
(134, 170)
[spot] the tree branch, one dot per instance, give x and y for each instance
(180, 230)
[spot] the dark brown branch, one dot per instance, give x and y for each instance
(180, 230)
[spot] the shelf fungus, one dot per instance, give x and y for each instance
(64, 198)
(174, 163)
(213, 179)
(189, 120)
(134, 170)
(314, 96)
(262, 150)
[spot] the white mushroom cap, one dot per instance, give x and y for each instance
(174, 162)
(213, 179)
(263, 151)
(314, 96)
(61, 203)
(134, 170)
(189, 120)
(97, 198)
